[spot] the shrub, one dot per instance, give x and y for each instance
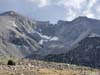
(11, 62)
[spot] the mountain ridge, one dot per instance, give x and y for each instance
(23, 37)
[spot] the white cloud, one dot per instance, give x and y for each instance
(70, 15)
(73, 8)
(76, 8)
(98, 9)
(43, 3)
(91, 3)
(71, 3)
(62, 9)
(40, 3)
(89, 14)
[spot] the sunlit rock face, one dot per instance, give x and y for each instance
(14, 38)
(24, 37)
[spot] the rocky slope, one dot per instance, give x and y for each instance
(24, 37)
(87, 53)
(14, 35)
(63, 36)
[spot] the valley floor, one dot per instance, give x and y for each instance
(36, 67)
(42, 71)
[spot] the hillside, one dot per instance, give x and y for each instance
(14, 35)
(36, 67)
(74, 42)
(85, 53)
(23, 37)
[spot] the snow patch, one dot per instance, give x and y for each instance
(94, 35)
(48, 37)
(41, 35)
(13, 23)
(45, 38)
(41, 42)
(54, 38)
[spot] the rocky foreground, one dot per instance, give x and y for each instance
(36, 67)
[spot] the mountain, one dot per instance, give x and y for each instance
(23, 37)
(87, 53)
(14, 35)
(63, 36)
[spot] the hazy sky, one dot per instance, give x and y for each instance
(53, 10)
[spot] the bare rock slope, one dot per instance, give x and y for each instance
(14, 38)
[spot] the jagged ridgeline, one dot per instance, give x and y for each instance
(23, 37)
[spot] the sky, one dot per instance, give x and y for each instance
(53, 10)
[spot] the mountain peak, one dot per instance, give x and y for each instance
(9, 13)
(76, 19)
(62, 22)
(81, 18)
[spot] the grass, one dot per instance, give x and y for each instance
(36, 67)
